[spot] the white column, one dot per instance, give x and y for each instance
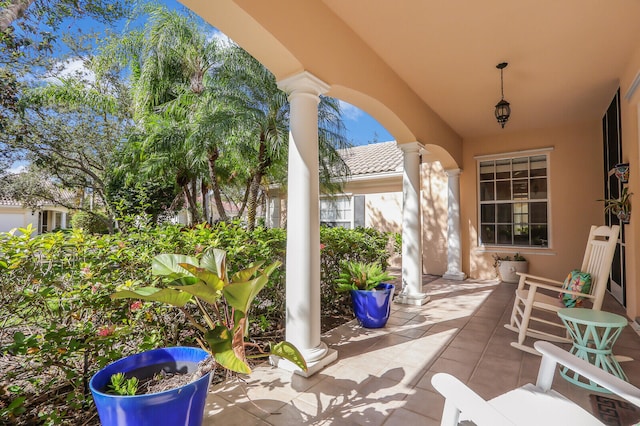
(63, 225)
(411, 293)
(303, 224)
(454, 242)
(273, 209)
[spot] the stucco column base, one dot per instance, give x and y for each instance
(317, 359)
(417, 299)
(458, 276)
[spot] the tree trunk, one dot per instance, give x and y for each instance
(263, 165)
(252, 203)
(204, 189)
(193, 208)
(14, 10)
(243, 205)
(215, 185)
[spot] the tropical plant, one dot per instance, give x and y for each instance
(360, 276)
(621, 206)
(497, 259)
(265, 127)
(223, 304)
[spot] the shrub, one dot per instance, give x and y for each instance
(93, 223)
(59, 325)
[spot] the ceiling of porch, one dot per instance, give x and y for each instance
(427, 69)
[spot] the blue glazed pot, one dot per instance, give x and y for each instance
(180, 406)
(372, 307)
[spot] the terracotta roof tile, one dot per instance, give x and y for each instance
(373, 158)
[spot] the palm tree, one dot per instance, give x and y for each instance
(173, 63)
(265, 112)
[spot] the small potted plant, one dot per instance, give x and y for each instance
(370, 295)
(620, 207)
(221, 325)
(508, 267)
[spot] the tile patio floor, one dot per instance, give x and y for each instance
(383, 377)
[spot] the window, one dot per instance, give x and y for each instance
(336, 211)
(514, 204)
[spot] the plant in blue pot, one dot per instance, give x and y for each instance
(216, 307)
(370, 295)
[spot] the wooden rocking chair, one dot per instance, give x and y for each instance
(533, 306)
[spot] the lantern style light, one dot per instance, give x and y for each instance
(503, 110)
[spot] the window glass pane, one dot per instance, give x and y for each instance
(513, 197)
(503, 169)
(538, 212)
(486, 191)
(521, 189)
(539, 235)
(539, 165)
(539, 188)
(488, 213)
(488, 234)
(521, 167)
(504, 234)
(504, 213)
(487, 170)
(503, 190)
(521, 235)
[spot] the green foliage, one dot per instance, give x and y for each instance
(360, 276)
(60, 325)
(223, 303)
(339, 244)
(93, 223)
(120, 385)
(498, 258)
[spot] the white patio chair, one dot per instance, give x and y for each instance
(530, 404)
(536, 296)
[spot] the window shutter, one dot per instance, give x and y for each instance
(358, 211)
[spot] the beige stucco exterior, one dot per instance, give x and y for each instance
(426, 71)
(16, 216)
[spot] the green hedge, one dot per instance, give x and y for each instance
(59, 321)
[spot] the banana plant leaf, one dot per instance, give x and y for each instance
(215, 260)
(168, 265)
(209, 278)
(202, 291)
(220, 341)
(153, 294)
(289, 352)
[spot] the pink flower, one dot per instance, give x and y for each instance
(322, 246)
(135, 305)
(106, 331)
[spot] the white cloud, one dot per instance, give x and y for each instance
(220, 37)
(349, 111)
(71, 68)
(18, 167)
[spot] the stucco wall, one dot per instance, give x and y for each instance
(16, 217)
(384, 211)
(434, 218)
(575, 183)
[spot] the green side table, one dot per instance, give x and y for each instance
(593, 333)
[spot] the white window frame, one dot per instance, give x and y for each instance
(350, 198)
(510, 156)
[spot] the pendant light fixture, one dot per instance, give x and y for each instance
(503, 110)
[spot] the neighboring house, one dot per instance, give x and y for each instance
(44, 218)
(372, 198)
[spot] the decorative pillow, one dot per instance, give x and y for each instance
(575, 281)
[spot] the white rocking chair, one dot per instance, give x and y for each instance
(532, 305)
(530, 404)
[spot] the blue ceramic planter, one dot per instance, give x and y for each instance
(372, 307)
(179, 406)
